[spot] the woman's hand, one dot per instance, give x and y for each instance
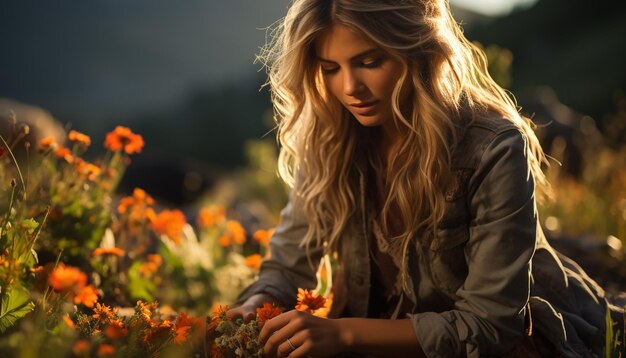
(300, 334)
(247, 310)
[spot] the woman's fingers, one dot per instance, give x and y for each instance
(245, 312)
(273, 325)
(300, 346)
(277, 330)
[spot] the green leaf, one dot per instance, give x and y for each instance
(16, 304)
(29, 225)
(139, 287)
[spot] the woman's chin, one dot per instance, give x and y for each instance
(368, 121)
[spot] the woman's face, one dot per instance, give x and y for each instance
(359, 74)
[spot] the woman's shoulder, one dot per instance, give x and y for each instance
(478, 134)
(484, 126)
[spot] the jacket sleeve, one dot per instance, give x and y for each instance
(488, 316)
(287, 268)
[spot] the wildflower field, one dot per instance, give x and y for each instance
(86, 272)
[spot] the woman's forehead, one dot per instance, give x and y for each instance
(341, 43)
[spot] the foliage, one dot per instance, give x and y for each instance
(72, 256)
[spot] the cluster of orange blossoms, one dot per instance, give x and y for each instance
(84, 168)
(139, 211)
(123, 138)
(138, 207)
(80, 138)
(73, 282)
(151, 265)
(118, 139)
(234, 233)
(211, 216)
(263, 236)
(159, 330)
(170, 223)
(152, 330)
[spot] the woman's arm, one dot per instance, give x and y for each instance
(287, 268)
(380, 337)
(313, 336)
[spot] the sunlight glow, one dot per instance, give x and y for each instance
(493, 7)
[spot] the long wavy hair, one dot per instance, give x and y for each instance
(319, 139)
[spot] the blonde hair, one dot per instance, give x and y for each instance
(319, 139)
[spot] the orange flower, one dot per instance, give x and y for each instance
(150, 266)
(104, 314)
(224, 240)
(181, 334)
(170, 223)
(66, 278)
(106, 350)
(88, 295)
(81, 347)
(80, 138)
(115, 331)
(123, 138)
(158, 333)
(263, 236)
(323, 312)
(69, 322)
(220, 313)
(124, 203)
(184, 324)
(64, 154)
(208, 217)
(309, 301)
(267, 312)
(139, 197)
(107, 251)
(254, 261)
(155, 258)
(86, 169)
(146, 309)
(234, 233)
(47, 143)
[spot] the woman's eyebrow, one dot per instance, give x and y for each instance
(355, 57)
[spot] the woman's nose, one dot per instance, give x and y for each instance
(352, 85)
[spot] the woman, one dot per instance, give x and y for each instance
(413, 168)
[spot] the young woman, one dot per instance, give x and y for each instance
(414, 169)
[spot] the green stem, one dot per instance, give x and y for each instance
(8, 213)
(45, 294)
(14, 161)
(32, 244)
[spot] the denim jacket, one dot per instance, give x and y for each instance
(489, 261)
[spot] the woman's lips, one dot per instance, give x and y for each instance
(363, 108)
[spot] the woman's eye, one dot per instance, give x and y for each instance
(329, 70)
(372, 63)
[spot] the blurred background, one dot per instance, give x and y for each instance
(182, 74)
